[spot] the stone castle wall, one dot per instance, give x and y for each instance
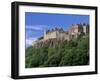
(56, 34)
(50, 35)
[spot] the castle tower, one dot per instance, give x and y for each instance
(85, 29)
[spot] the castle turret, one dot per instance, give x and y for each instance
(85, 29)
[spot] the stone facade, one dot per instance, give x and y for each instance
(56, 34)
(75, 31)
(50, 35)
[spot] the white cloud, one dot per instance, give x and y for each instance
(30, 38)
(29, 41)
(36, 27)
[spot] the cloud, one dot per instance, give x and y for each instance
(36, 27)
(33, 32)
(29, 41)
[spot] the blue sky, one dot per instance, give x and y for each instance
(36, 23)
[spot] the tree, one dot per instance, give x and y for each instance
(60, 53)
(53, 60)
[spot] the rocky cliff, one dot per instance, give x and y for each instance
(50, 43)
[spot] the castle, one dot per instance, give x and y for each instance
(73, 32)
(56, 33)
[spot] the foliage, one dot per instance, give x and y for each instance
(67, 53)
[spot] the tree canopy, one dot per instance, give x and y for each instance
(67, 53)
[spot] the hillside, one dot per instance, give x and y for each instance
(49, 43)
(54, 52)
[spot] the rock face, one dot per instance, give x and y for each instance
(50, 43)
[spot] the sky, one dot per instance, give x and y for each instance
(36, 23)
